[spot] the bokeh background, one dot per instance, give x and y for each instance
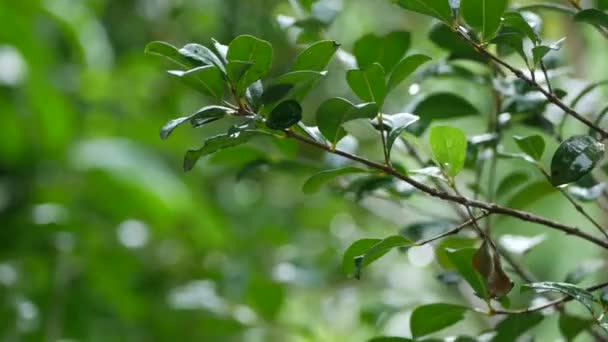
(104, 238)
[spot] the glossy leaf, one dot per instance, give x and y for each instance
(405, 68)
(532, 145)
(449, 147)
(574, 158)
(202, 54)
(483, 15)
(253, 95)
(378, 250)
(207, 79)
(170, 52)
(236, 69)
(593, 16)
(316, 181)
(462, 259)
(587, 194)
(368, 83)
(512, 327)
(516, 21)
(247, 48)
(540, 51)
(316, 57)
(284, 115)
(397, 124)
(275, 93)
(386, 50)
(439, 9)
(334, 112)
(199, 118)
(431, 318)
(517, 244)
(577, 293)
(571, 326)
(216, 143)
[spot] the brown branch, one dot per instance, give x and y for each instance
(489, 207)
(550, 96)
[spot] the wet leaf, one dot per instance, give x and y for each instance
(207, 79)
(284, 115)
(395, 125)
(574, 158)
(483, 15)
(577, 293)
(203, 55)
(199, 118)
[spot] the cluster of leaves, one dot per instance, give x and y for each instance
(466, 29)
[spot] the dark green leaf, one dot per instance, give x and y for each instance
(202, 54)
(199, 118)
(253, 95)
(170, 52)
(378, 250)
(530, 194)
(540, 51)
(577, 293)
(316, 57)
(532, 145)
(423, 230)
(236, 69)
(450, 244)
(217, 143)
(443, 106)
(275, 93)
(593, 16)
(483, 15)
(285, 115)
(574, 158)
(358, 248)
(314, 183)
(207, 79)
(439, 9)
(462, 259)
(368, 83)
(571, 326)
(386, 50)
(443, 36)
(405, 68)
(431, 318)
(516, 21)
(334, 112)
(397, 124)
(247, 48)
(449, 147)
(514, 326)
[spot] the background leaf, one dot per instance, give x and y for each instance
(431, 318)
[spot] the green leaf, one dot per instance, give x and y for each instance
(236, 69)
(462, 259)
(427, 319)
(510, 328)
(439, 9)
(516, 21)
(510, 182)
(443, 36)
(443, 106)
(302, 76)
(207, 79)
(368, 83)
(532, 145)
(540, 51)
(217, 143)
(577, 293)
(199, 118)
(530, 194)
(356, 249)
(247, 48)
(336, 111)
(574, 158)
(405, 68)
(316, 57)
(378, 250)
(396, 124)
(314, 183)
(390, 339)
(170, 52)
(202, 54)
(285, 115)
(483, 15)
(386, 50)
(275, 93)
(593, 16)
(449, 147)
(253, 95)
(221, 49)
(570, 326)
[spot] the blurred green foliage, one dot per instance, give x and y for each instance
(104, 238)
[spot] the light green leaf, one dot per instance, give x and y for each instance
(540, 51)
(483, 15)
(314, 183)
(462, 260)
(405, 68)
(316, 57)
(368, 83)
(170, 52)
(386, 50)
(356, 249)
(571, 326)
(427, 319)
(285, 115)
(207, 79)
(236, 69)
(203, 55)
(333, 113)
(376, 251)
(593, 16)
(532, 145)
(449, 147)
(510, 328)
(574, 158)
(439, 9)
(247, 48)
